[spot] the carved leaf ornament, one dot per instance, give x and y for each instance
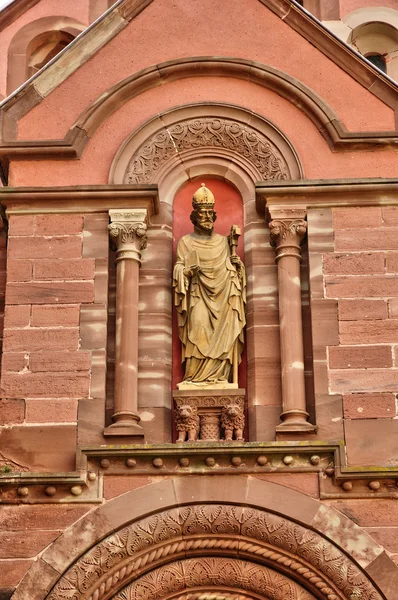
(201, 548)
(205, 133)
(126, 233)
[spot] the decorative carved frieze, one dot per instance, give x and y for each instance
(256, 539)
(221, 133)
(210, 417)
(213, 574)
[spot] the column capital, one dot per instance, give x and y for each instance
(286, 236)
(128, 229)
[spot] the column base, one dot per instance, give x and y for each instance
(125, 424)
(295, 421)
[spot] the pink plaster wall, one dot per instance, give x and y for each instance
(317, 159)
(199, 28)
(347, 6)
(75, 9)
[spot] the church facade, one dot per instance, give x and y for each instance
(130, 468)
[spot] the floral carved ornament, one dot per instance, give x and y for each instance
(210, 547)
(207, 132)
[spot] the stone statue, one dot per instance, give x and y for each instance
(187, 423)
(233, 422)
(210, 286)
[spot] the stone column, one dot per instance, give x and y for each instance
(128, 229)
(287, 231)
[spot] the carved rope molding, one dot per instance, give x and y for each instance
(212, 574)
(214, 132)
(301, 554)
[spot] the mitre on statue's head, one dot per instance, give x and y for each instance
(203, 197)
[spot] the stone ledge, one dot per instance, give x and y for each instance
(201, 458)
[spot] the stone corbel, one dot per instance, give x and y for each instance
(128, 230)
(287, 230)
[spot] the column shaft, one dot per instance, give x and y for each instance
(129, 231)
(286, 235)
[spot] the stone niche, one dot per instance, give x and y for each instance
(209, 415)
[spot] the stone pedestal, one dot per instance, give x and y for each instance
(209, 415)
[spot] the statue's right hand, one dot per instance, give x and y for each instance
(191, 271)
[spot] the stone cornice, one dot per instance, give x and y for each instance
(301, 195)
(337, 480)
(86, 198)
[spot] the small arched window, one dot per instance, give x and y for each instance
(378, 61)
(44, 47)
(378, 42)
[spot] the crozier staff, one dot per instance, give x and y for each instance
(209, 285)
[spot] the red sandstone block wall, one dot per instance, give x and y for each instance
(362, 275)
(55, 321)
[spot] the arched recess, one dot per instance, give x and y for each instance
(215, 141)
(374, 30)
(190, 536)
(55, 32)
(377, 38)
(44, 47)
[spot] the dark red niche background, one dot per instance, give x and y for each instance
(229, 209)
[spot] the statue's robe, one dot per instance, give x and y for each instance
(210, 308)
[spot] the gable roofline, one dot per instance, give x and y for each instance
(13, 10)
(116, 18)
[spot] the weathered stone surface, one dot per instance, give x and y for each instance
(63, 315)
(369, 406)
(58, 224)
(66, 292)
(33, 447)
(351, 217)
(360, 357)
(40, 339)
(46, 385)
(43, 247)
(353, 310)
(51, 410)
(11, 411)
(382, 570)
(354, 264)
(73, 268)
(15, 545)
(360, 451)
(115, 486)
(41, 517)
(346, 535)
(47, 361)
(12, 571)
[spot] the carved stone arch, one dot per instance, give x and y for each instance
(316, 109)
(211, 576)
(215, 131)
(270, 538)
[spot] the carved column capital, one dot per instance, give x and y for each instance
(286, 236)
(128, 230)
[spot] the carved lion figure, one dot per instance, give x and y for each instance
(233, 422)
(187, 423)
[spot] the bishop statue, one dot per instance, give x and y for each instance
(210, 295)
